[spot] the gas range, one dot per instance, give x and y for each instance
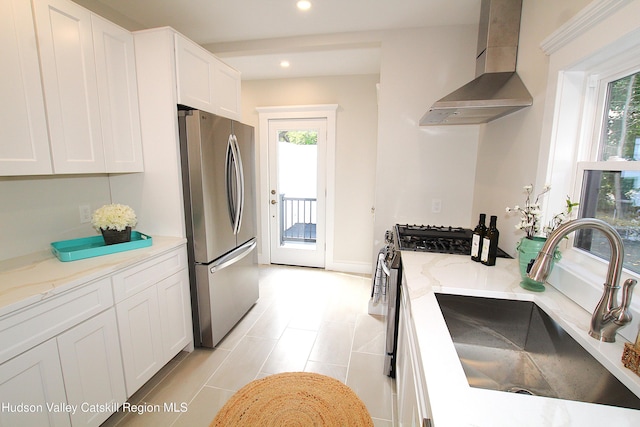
(439, 239)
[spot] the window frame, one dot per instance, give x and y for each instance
(603, 40)
(589, 134)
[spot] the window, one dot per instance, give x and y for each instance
(611, 181)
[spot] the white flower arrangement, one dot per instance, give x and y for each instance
(114, 217)
(530, 214)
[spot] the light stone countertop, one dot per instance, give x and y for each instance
(31, 278)
(453, 402)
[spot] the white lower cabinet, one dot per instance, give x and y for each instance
(29, 385)
(153, 307)
(155, 324)
(405, 377)
(175, 307)
(92, 369)
(75, 378)
(140, 337)
(75, 358)
(413, 405)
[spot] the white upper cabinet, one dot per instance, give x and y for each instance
(205, 82)
(194, 71)
(69, 99)
(226, 89)
(69, 79)
(24, 140)
(118, 96)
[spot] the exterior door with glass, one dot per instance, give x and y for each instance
(297, 156)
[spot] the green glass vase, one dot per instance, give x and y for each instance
(528, 249)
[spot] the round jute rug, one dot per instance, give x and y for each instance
(294, 399)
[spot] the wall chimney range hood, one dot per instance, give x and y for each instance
(497, 89)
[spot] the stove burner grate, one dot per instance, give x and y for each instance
(440, 239)
(428, 238)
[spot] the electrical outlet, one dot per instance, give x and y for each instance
(85, 213)
(436, 205)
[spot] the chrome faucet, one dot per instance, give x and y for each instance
(607, 317)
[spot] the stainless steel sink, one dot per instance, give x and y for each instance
(514, 346)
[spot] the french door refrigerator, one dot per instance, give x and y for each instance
(218, 158)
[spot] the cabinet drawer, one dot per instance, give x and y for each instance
(33, 325)
(140, 277)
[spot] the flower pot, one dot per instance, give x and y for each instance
(528, 249)
(112, 237)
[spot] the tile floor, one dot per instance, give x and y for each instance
(306, 320)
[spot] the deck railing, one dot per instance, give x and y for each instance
(297, 219)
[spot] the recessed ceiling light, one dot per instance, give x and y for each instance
(304, 5)
(284, 64)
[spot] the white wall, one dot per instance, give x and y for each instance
(509, 147)
(356, 128)
(419, 164)
(413, 166)
(35, 211)
(99, 7)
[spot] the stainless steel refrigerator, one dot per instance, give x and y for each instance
(218, 158)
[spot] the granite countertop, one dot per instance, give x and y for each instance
(453, 402)
(31, 278)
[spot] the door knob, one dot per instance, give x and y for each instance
(273, 202)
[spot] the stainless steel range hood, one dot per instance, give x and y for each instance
(497, 89)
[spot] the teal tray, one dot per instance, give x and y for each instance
(89, 247)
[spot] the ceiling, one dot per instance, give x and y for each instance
(255, 35)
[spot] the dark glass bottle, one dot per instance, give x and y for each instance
(490, 243)
(477, 238)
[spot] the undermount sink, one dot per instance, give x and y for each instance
(514, 346)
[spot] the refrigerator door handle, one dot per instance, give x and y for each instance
(235, 183)
(234, 256)
(239, 184)
(231, 182)
(227, 180)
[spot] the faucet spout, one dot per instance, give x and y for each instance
(607, 317)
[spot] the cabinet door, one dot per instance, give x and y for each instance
(226, 90)
(405, 375)
(175, 313)
(92, 368)
(140, 338)
(24, 140)
(69, 78)
(413, 400)
(30, 382)
(195, 73)
(118, 96)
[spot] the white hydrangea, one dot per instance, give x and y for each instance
(114, 217)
